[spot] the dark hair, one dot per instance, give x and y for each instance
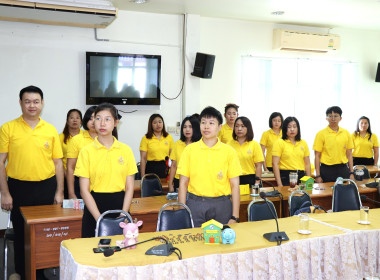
(357, 131)
(285, 128)
(196, 129)
(32, 89)
(112, 109)
(66, 132)
(211, 112)
(150, 133)
(231, 105)
(335, 109)
(247, 123)
(197, 116)
(275, 115)
(87, 116)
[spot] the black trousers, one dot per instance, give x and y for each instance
(176, 184)
(104, 202)
(204, 209)
(27, 193)
(284, 175)
(330, 173)
(363, 161)
(157, 167)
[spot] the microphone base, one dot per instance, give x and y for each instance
(276, 236)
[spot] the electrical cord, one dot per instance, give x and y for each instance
(173, 249)
(184, 35)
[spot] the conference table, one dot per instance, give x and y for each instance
(337, 248)
(46, 226)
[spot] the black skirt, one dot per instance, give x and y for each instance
(104, 202)
(157, 167)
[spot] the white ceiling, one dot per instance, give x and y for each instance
(361, 14)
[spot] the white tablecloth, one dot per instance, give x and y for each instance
(353, 255)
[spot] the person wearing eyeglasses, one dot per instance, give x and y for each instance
(333, 149)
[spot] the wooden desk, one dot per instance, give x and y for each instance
(45, 227)
(373, 169)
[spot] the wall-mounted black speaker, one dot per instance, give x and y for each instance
(378, 73)
(204, 65)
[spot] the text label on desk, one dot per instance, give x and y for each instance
(55, 233)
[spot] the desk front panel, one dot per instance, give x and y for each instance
(48, 238)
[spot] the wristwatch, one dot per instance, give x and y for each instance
(235, 219)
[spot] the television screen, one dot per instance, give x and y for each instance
(122, 79)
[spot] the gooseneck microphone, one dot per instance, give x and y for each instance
(278, 236)
(366, 198)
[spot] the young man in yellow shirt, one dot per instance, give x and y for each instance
(34, 168)
(209, 170)
(333, 150)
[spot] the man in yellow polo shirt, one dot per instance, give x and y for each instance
(333, 149)
(34, 168)
(209, 170)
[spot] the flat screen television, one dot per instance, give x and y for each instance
(122, 79)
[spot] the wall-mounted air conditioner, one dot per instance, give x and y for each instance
(59, 12)
(290, 40)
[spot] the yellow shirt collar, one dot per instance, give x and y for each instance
(215, 147)
(332, 131)
(115, 145)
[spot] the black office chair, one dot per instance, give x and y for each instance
(107, 226)
(345, 197)
(258, 211)
(151, 185)
(9, 236)
(174, 219)
(297, 199)
(361, 172)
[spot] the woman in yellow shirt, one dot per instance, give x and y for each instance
(248, 150)
(106, 169)
(73, 149)
(72, 128)
(230, 113)
(155, 148)
(269, 137)
(366, 144)
(190, 133)
(291, 153)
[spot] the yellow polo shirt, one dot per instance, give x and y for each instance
(209, 169)
(30, 151)
(267, 139)
(249, 153)
(156, 149)
(107, 169)
(362, 147)
(225, 133)
(64, 146)
(77, 143)
(333, 145)
(176, 153)
(291, 156)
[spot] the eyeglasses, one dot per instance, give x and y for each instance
(333, 117)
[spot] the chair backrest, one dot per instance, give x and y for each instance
(258, 210)
(138, 174)
(108, 226)
(151, 185)
(174, 219)
(345, 197)
(296, 199)
(361, 172)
